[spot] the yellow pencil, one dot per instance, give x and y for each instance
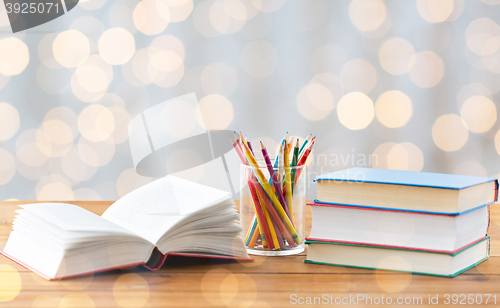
(288, 182)
(254, 238)
(272, 196)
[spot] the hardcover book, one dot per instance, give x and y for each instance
(399, 229)
(168, 216)
(407, 190)
(397, 259)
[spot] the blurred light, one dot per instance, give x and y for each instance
(202, 20)
(257, 27)
(44, 301)
(27, 150)
(116, 46)
(139, 64)
(57, 131)
(497, 142)
(121, 15)
(168, 42)
(332, 83)
(450, 132)
(7, 170)
(164, 65)
(393, 109)
(405, 156)
(367, 15)
(483, 36)
(470, 167)
(226, 17)
(151, 16)
(4, 18)
(121, 291)
(86, 194)
(314, 102)
(214, 112)
(309, 15)
(91, 27)
(178, 118)
(96, 123)
(129, 180)
(435, 10)
(10, 283)
(470, 90)
(219, 19)
(64, 114)
(3, 81)
(328, 58)
(179, 9)
(9, 121)
(439, 32)
(122, 120)
(91, 4)
(480, 113)
(14, 56)
(491, 2)
(397, 56)
(71, 48)
(428, 69)
(268, 6)
(355, 111)
(91, 80)
(54, 188)
(77, 299)
(53, 81)
(75, 168)
(358, 75)
(45, 51)
(219, 78)
(96, 154)
(379, 156)
(259, 59)
(393, 283)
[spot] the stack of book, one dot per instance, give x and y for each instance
(426, 223)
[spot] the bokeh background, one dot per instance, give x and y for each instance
(410, 85)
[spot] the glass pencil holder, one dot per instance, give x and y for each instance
(273, 221)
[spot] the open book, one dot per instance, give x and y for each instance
(168, 216)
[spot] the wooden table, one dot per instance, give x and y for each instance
(266, 282)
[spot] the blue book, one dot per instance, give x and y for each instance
(423, 192)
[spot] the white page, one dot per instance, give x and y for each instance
(70, 217)
(153, 209)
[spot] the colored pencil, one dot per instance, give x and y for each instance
(288, 181)
(277, 188)
(262, 179)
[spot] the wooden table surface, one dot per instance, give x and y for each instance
(266, 282)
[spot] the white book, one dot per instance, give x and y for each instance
(399, 229)
(168, 216)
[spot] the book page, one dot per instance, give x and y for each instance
(70, 217)
(153, 209)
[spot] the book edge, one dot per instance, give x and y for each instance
(486, 238)
(321, 178)
(367, 207)
(401, 271)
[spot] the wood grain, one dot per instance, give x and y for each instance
(266, 282)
